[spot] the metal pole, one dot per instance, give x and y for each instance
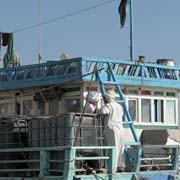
(131, 30)
(40, 30)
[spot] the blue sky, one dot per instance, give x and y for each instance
(94, 33)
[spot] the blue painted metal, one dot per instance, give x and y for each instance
(175, 158)
(49, 73)
(69, 164)
(70, 159)
(77, 69)
(138, 74)
(117, 176)
(111, 163)
(44, 163)
(171, 158)
(138, 158)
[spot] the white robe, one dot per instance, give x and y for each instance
(113, 131)
(90, 108)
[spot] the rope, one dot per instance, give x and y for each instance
(64, 16)
(82, 114)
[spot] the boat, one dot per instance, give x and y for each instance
(45, 134)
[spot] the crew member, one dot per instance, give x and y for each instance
(91, 105)
(113, 127)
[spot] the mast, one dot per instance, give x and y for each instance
(131, 30)
(40, 33)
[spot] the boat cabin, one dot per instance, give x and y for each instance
(57, 87)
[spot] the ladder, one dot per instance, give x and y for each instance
(112, 81)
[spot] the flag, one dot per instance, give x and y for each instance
(9, 56)
(0, 44)
(5, 38)
(10, 48)
(122, 11)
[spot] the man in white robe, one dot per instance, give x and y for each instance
(113, 130)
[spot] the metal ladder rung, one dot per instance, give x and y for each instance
(109, 82)
(152, 165)
(92, 158)
(132, 143)
(155, 159)
(127, 122)
(120, 101)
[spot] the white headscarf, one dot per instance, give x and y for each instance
(110, 95)
(93, 97)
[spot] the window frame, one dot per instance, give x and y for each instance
(152, 98)
(129, 98)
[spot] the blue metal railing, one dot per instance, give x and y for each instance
(59, 72)
(136, 73)
(41, 165)
(50, 73)
(44, 161)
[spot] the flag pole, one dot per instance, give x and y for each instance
(131, 30)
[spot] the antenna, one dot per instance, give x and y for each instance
(40, 33)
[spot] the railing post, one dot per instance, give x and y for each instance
(69, 163)
(44, 163)
(111, 168)
(175, 158)
(138, 160)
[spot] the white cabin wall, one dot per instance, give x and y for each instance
(72, 95)
(178, 108)
(7, 102)
(81, 94)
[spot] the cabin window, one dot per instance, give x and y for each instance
(158, 93)
(5, 109)
(170, 112)
(132, 91)
(132, 106)
(28, 107)
(40, 108)
(146, 110)
(72, 105)
(53, 106)
(146, 92)
(18, 108)
(158, 110)
(172, 94)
